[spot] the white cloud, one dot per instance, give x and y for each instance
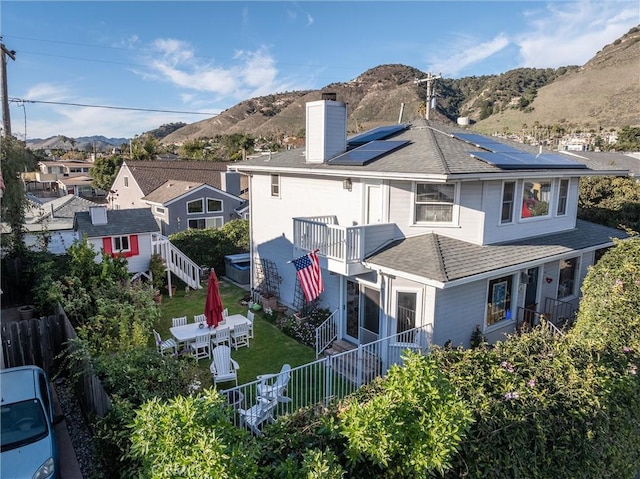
(570, 33)
(470, 52)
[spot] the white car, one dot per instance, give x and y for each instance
(27, 438)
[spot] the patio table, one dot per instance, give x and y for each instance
(188, 332)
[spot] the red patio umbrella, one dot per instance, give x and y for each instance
(213, 304)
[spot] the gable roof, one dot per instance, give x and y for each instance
(119, 222)
(150, 175)
(432, 152)
(62, 207)
(170, 190)
(443, 259)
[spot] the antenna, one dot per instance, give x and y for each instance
(430, 95)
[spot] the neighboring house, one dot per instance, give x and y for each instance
(178, 205)
(50, 224)
(182, 194)
(119, 232)
(134, 234)
(423, 225)
(59, 178)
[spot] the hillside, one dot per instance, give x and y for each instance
(604, 93)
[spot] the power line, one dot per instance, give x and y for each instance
(109, 107)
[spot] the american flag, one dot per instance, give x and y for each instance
(308, 268)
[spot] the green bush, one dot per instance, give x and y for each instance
(191, 437)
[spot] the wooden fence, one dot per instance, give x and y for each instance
(43, 342)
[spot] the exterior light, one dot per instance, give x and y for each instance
(346, 184)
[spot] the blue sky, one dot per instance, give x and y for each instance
(207, 56)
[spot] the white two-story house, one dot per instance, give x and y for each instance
(423, 224)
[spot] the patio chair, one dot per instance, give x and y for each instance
(251, 316)
(199, 318)
(256, 415)
(240, 335)
(180, 321)
(275, 385)
(221, 336)
(201, 347)
(223, 368)
(163, 346)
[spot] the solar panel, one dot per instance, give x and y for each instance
(486, 143)
(379, 133)
(368, 152)
(522, 160)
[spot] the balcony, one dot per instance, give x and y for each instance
(344, 246)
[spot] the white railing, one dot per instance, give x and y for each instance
(176, 261)
(326, 333)
(348, 244)
(333, 377)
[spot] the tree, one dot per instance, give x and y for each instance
(611, 201)
(104, 171)
(628, 139)
(14, 159)
(144, 147)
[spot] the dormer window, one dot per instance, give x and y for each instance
(434, 202)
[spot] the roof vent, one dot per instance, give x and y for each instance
(330, 96)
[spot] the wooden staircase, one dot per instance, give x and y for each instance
(176, 261)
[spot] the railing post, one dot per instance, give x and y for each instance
(328, 376)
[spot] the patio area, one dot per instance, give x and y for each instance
(268, 350)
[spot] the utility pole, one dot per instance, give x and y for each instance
(6, 119)
(430, 95)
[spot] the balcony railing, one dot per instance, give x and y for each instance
(556, 315)
(333, 377)
(343, 245)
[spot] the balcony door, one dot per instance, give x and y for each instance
(373, 204)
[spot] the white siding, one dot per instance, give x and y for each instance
(136, 263)
(272, 221)
(59, 241)
(127, 196)
(495, 232)
(458, 311)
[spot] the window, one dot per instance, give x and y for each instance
(406, 311)
(213, 205)
(121, 243)
(202, 223)
(508, 190)
(567, 277)
(535, 198)
(195, 207)
(562, 197)
(159, 210)
(499, 300)
(126, 182)
(275, 185)
(434, 203)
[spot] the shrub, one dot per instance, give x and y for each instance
(303, 328)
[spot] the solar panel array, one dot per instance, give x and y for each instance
(379, 133)
(367, 152)
(509, 158)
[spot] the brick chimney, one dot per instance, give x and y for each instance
(326, 129)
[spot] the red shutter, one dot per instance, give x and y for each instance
(107, 246)
(133, 246)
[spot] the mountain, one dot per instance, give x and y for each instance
(604, 93)
(82, 143)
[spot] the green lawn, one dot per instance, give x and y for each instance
(267, 352)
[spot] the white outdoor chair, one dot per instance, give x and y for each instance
(256, 415)
(240, 335)
(201, 348)
(163, 346)
(199, 318)
(251, 316)
(225, 313)
(221, 336)
(275, 385)
(223, 368)
(180, 321)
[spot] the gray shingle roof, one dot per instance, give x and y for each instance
(63, 207)
(119, 222)
(170, 190)
(432, 151)
(444, 259)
